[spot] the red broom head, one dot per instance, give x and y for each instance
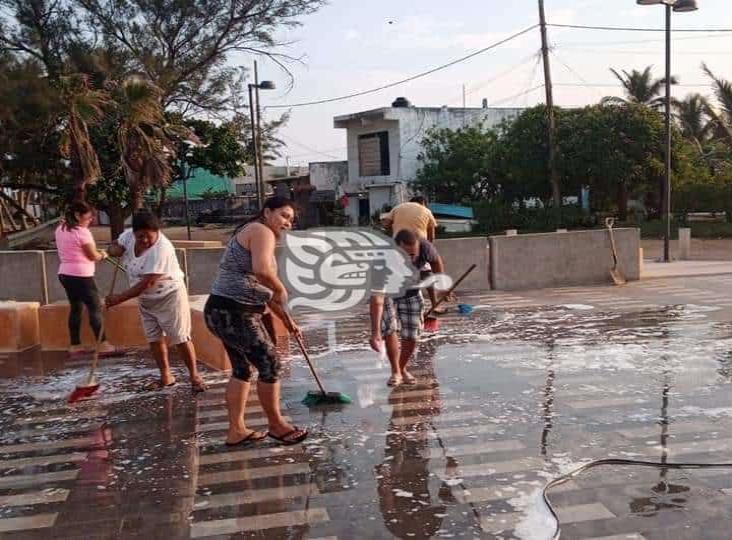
(81, 392)
(431, 324)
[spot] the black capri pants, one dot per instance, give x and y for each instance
(245, 336)
(82, 291)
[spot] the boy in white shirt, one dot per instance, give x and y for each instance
(156, 278)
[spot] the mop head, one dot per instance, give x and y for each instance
(316, 397)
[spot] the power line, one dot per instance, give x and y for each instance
(572, 71)
(408, 79)
(639, 41)
(318, 152)
(535, 57)
(509, 98)
(617, 84)
(637, 29)
(639, 52)
(306, 147)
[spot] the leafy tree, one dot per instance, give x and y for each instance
(182, 46)
(458, 166)
(103, 76)
(640, 88)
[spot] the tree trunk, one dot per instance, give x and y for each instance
(161, 201)
(622, 202)
(137, 199)
(116, 220)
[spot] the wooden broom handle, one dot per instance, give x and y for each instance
(454, 286)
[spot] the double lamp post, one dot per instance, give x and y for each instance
(679, 6)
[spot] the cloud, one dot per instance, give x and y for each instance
(561, 16)
(351, 34)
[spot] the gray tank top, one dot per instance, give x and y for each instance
(236, 279)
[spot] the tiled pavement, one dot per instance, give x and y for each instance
(528, 387)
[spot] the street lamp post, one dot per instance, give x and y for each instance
(257, 136)
(680, 6)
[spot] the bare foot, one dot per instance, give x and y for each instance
(198, 385)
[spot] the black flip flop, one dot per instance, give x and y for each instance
(283, 440)
(249, 439)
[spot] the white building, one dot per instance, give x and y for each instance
(244, 185)
(383, 145)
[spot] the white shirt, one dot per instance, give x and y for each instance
(157, 259)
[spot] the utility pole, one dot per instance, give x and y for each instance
(553, 177)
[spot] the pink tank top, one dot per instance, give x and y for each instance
(70, 254)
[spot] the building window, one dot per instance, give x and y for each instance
(373, 154)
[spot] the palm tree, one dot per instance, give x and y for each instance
(721, 116)
(691, 116)
(640, 87)
(82, 105)
(146, 149)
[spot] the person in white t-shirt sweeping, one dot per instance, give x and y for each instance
(157, 280)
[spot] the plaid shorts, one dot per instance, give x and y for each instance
(405, 312)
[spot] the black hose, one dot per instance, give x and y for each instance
(613, 461)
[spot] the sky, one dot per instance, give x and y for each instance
(352, 45)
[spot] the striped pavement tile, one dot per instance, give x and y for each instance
(440, 419)
(250, 453)
(224, 477)
(27, 480)
(40, 461)
(491, 468)
(43, 444)
(254, 496)
(487, 447)
(36, 497)
(259, 523)
(423, 405)
(27, 523)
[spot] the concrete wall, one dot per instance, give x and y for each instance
(534, 261)
(23, 276)
(459, 253)
(203, 264)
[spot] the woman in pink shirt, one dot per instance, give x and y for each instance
(78, 254)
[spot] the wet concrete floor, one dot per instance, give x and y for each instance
(528, 387)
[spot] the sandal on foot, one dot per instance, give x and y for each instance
(439, 311)
(157, 385)
(287, 440)
(394, 380)
(408, 378)
(254, 436)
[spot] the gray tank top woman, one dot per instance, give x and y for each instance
(236, 279)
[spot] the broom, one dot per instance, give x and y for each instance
(319, 397)
(92, 385)
(432, 324)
